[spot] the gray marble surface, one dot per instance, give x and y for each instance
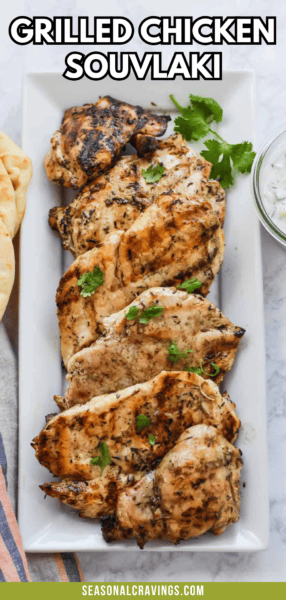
(269, 65)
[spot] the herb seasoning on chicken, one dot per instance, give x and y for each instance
(115, 200)
(174, 239)
(172, 401)
(130, 353)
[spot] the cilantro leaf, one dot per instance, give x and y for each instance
(149, 313)
(174, 353)
(216, 370)
(190, 285)
(196, 118)
(145, 315)
(89, 281)
(218, 153)
(142, 421)
(210, 109)
(153, 173)
(132, 313)
(242, 156)
(185, 128)
(96, 460)
(104, 460)
(200, 370)
(225, 156)
(152, 439)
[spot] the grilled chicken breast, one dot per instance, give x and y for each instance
(215, 194)
(115, 200)
(131, 352)
(172, 401)
(174, 239)
(93, 499)
(91, 139)
(195, 489)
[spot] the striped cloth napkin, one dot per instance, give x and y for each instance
(14, 564)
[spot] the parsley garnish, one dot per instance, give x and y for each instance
(194, 124)
(132, 313)
(103, 460)
(190, 285)
(142, 421)
(89, 281)
(149, 313)
(174, 353)
(145, 315)
(200, 370)
(152, 439)
(153, 173)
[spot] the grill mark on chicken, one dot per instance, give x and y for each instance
(174, 239)
(173, 401)
(91, 139)
(117, 199)
(131, 353)
(150, 510)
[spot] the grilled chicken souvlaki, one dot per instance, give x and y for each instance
(145, 438)
(195, 489)
(131, 352)
(92, 137)
(116, 199)
(172, 402)
(176, 238)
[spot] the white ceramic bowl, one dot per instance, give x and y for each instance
(273, 141)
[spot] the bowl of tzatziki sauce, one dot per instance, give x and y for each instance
(269, 184)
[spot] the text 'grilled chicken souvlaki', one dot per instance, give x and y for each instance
(189, 332)
(116, 199)
(172, 402)
(92, 137)
(176, 238)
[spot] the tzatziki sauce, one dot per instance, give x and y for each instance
(273, 185)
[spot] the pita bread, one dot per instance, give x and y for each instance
(15, 176)
(19, 170)
(8, 209)
(7, 267)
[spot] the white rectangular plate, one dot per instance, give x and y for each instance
(46, 525)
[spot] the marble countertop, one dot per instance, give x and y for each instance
(269, 65)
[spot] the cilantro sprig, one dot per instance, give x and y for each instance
(145, 315)
(190, 285)
(153, 173)
(174, 353)
(104, 460)
(142, 421)
(200, 370)
(89, 281)
(194, 124)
